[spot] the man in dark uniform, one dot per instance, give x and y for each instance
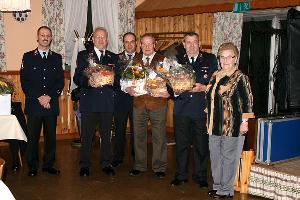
(96, 103)
(42, 81)
(189, 116)
(123, 101)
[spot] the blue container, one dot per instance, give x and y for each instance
(277, 140)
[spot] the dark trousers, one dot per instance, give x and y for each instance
(34, 125)
(17, 146)
(190, 131)
(89, 122)
(14, 146)
(121, 116)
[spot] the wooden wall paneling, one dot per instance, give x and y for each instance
(170, 21)
(170, 114)
(66, 125)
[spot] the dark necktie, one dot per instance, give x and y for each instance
(147, 61)
(44, 56)
(192, 60)
(129, 56)
(101, 56)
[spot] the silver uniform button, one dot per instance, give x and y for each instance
(191, 95)
(44, 78)
(44, 86)
(44, 69)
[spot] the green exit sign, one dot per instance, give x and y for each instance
(241, 6)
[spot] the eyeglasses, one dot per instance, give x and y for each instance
(227, 57)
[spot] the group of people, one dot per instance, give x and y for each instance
(210, 119)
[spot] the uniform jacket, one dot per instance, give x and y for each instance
(193, 104)
(147, 101)
(123, 101)
(94, 99)
(41, 77)
(228, 101)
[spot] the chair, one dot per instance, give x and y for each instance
(2, 163)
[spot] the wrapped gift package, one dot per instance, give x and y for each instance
(5, 104)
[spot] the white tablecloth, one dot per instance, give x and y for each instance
(5, 193)
(10, 128)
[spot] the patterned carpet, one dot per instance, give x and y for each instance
(290, 167)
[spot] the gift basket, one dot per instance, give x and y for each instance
(134, 75)
(156, 80)
(182, 78)
(156, 85)
(100, 74)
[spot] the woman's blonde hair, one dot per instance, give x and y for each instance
(228, 46)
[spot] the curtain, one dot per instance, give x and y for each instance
(78, 46)
(255, 62)
(293, 64)
(105, 14)
(53, 17)
(126, 19)
(75, 19)
(2, 44)
(227, 27)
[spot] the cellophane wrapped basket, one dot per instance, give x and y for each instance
(134, 75)
(182, 78)
(101, 74)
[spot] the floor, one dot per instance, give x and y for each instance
(69, 185)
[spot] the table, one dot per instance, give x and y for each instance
(10, 128)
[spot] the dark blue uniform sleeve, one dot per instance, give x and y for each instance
(79, 78)
(25, 74)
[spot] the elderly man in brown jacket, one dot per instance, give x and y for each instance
(145, 108)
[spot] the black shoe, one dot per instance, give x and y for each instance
(203, 184)
(116, 163)
(219, 196)
(76, 143)
(32, 172)
(109, 171)
(84, 171)
(177, 182)
(211, 193)
(15, 167)
(51, 170)
(160, 175)
(135, 172)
